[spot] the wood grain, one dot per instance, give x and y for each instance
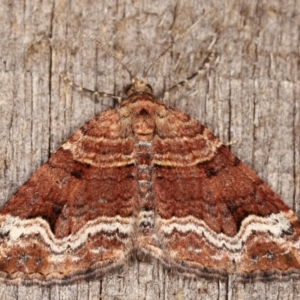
(251, 96)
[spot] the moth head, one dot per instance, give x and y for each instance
(138, 86)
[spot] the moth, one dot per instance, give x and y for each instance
(145, 178)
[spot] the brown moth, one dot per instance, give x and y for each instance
(145, 178)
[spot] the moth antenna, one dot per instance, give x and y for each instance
(83, 89)
(175, 42)
(98, 43)
(203, 68)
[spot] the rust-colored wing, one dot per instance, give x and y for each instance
(214, 216)
(74, 217)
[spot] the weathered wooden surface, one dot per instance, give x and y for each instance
(252, 96)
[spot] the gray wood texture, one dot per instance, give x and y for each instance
(252, 96)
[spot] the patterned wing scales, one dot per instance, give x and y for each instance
(74, 216)
(214, 216)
